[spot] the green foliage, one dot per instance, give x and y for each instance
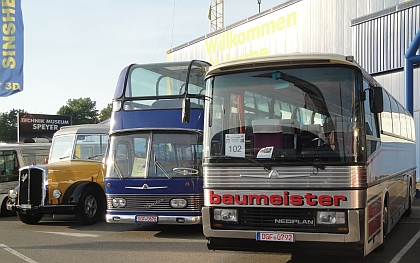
(8, 124)
(106, 113)
(82, 111)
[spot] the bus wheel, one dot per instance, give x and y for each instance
(408, 211)
(89, 208)
(30, 219)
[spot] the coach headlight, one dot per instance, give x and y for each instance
(227, 215)
(330, 218)
(178, 203)
(119, 203)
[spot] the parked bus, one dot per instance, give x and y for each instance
(14, 156)
(154, 172)
(72, 182)
(303, 152)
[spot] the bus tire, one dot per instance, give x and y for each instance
(408, 211)
(89, 208)
(30, 219)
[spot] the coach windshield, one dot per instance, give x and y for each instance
(155, 154)
(285, 114)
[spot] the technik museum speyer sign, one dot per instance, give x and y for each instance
(11, 69)
(40, 126)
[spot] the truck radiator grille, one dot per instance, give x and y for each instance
(30, 186)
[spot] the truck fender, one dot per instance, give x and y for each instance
(74, 192)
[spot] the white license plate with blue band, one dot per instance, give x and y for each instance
(275, 236)
(145, 219)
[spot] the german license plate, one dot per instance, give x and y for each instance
(275, 236)
(26, 206)
(146, 219)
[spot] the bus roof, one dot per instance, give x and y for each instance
(12, 146)
(282, 60)
(84, 129)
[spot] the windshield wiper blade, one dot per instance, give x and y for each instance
(263, 165)
(319, 166)
(117, 167)
(94, 156)
(158, 164)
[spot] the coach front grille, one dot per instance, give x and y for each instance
(275, 219)
(31, 186)
(156, 202)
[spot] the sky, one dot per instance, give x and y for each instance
(77, 48)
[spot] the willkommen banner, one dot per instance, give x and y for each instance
(11, 69)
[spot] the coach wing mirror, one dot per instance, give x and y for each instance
(376, 100)
(186, 110)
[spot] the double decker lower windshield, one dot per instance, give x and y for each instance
(295, 114)
(155, 154)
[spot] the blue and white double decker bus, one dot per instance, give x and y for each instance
(154, 171)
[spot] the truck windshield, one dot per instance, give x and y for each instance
(287, 114)
(78, 146)
(155, 154)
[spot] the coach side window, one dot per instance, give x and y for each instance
(386, 117)
(371, 121)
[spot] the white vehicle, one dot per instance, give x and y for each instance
(303, 152)
(14, 156)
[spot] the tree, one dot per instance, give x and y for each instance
(8, 124)
(106, 113)
(82, 111)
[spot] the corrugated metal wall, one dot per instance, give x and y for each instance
(381, 39)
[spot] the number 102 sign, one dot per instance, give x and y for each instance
(235, 145)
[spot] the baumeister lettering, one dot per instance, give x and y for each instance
(276, 199)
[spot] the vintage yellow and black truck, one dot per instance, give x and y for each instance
(70, 183)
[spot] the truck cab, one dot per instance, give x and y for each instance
(72, 181)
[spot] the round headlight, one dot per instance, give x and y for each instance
(122, 202)
(119, 202)
(12, 193)
(56, 193)
(178, 203)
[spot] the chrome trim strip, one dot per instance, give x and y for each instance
(298, 177)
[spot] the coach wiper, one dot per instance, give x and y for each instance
(316, 165)
(117, 167)
(158, 164)
(263, 165)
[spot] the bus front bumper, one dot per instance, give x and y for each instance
(162, 220)
(354, 234)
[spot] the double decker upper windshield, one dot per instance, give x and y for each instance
(163, 85)
(155, 154)
(287, 114)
